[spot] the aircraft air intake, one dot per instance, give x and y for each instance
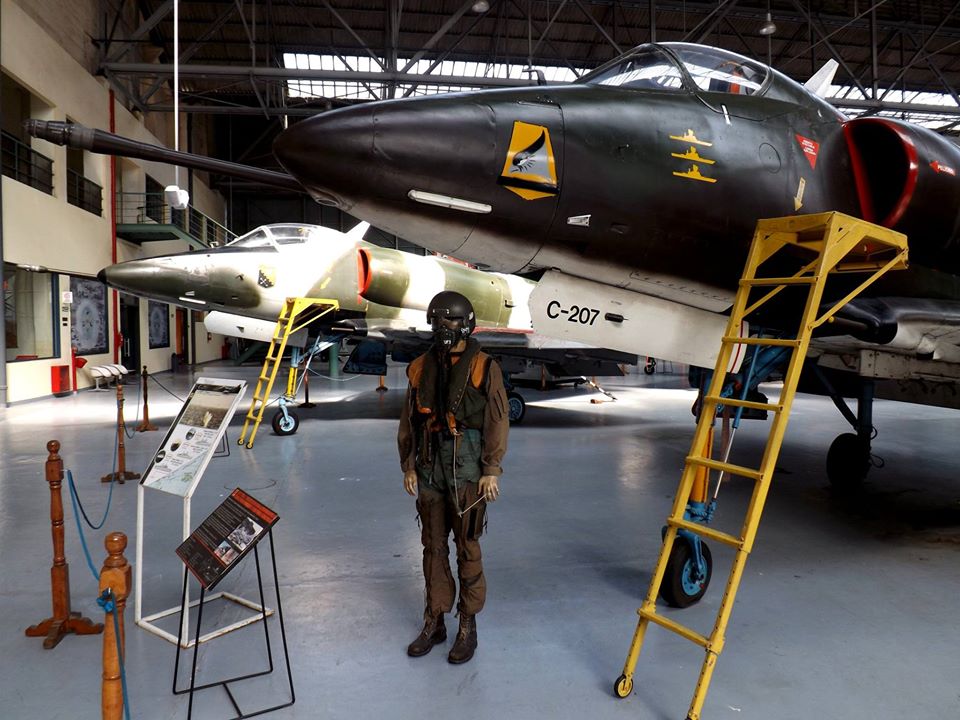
(906, 179)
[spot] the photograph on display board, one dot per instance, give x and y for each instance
(193, 437)
(225, 536)
(88, 315)
(158, 322)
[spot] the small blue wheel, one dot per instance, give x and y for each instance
(683, 584)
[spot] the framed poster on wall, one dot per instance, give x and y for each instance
(158, 321)
(88, 316)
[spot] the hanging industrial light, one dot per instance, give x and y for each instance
(769, 27)
(481, 6)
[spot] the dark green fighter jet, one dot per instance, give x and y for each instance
(632, 195)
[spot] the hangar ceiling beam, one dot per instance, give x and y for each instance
(706, 26)
(825, 40)
(138, 34)
(923, 48)
(437, 36)
(599, 27)
(280, 73)
(928, 58)
(353, 34)
(187, 54)
(543, 35)
(443, 56)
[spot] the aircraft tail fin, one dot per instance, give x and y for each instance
(823, 78)
(358, 231)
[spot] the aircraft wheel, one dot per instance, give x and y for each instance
(517, 407)
(285, 426)
(623, 687)
(848, 461)
(650, 367)
(682, 585)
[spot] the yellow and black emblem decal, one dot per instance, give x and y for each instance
(267, 276)
(690, 139)
(530, 169)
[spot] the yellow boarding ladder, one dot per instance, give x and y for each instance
(296, 314)
(839, 244)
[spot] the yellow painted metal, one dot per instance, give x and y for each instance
(295, 315)
(840, 243)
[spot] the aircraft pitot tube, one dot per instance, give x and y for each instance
(79, 136)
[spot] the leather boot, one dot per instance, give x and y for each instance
(466, 642)
(434, 631)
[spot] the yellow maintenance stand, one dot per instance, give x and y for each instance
(297, 313)
(833, 243)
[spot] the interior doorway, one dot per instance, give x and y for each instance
(130, 330)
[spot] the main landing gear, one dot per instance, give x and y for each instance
(849, 458)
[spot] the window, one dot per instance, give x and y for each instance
(645, 69)
(254, 239)
(29, 307)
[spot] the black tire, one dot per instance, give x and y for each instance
(623, 686)
(680, 588)
(282, 426)
(516, 406)
(848, 461)
(650, 367)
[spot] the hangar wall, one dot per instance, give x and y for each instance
(44, 230)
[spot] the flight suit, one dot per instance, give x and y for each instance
(453, 430)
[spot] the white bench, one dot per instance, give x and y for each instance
(107, 373)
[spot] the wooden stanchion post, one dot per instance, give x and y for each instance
(63, 621)
(122, 474)
(145, 424)
(115, 575)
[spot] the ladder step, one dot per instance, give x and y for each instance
(264, 377)
(760, 282)
(725, 467)
(773, 342)
(675, 627)
(707, 532)
(749, 404)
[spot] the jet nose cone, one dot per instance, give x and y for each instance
(326, 151)
(102, 276)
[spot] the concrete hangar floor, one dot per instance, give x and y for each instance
(848, 608)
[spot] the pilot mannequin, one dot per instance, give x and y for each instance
(452, 438)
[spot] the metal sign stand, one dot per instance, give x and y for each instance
(225, 684)
(148, 622)
(216, 398)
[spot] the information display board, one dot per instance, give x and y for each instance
(227, 534)
(193, 437)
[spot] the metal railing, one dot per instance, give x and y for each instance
(84, 193)
(150, 208)
(24, 164)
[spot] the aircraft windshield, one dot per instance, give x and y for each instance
(645, 69)
(253, 239)
(716, 70)
(289, 234)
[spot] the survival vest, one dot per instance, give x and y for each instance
(466, 399)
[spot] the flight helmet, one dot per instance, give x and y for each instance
(450, 305)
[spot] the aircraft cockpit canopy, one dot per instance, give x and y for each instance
(648, 67)
(272, 237)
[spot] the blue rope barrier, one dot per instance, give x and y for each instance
(76, 516)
